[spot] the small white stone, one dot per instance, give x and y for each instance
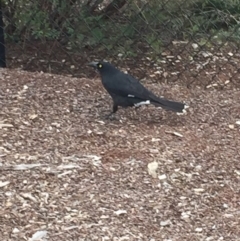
(165, 223)
(195, 46)
(206, 54)
(199, 230)
(209, 238)
(162, 177)
(238, 122)
(16, 230)
(225, 205)
(183, 198)
(184, 215)
(198, 167)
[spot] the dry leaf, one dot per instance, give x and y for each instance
(3, 184)
(39, 236)
(68, 166)
(120, 211)
(16, 230)
(165, 223)
(33, 116)
(64, 173)
(198, 230)
(29, 196)
(184, 215)
(162, 177)
(198, 190)
(174, 133)
(238, 173)
(26, 166)
(4, 125)
(152, 168)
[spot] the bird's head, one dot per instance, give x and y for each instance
(103, 67)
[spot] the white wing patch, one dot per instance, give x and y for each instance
(147, 102)
(131, 96)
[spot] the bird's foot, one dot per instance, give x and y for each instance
(110, 116)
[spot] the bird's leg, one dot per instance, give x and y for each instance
(114, 110)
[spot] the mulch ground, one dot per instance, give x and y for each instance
(149, 175)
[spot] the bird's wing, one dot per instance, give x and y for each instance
(127, 86)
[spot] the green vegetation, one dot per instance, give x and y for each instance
(93, 23)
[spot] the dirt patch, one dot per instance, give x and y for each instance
(206, 66)
(67, 170)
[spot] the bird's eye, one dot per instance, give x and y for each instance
(99, 66)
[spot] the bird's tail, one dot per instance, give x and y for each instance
(169, 105)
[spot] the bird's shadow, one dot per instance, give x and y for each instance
(167, 120)
(135, 116)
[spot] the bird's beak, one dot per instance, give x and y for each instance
(93, 64)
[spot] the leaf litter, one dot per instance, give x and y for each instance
(88, 178)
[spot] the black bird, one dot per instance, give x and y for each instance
(127, 91)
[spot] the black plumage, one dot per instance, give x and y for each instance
(127, 91)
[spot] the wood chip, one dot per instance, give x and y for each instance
(5, 125)
(120, 212)
(39, 236)
(3, 184)
(174, 133)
